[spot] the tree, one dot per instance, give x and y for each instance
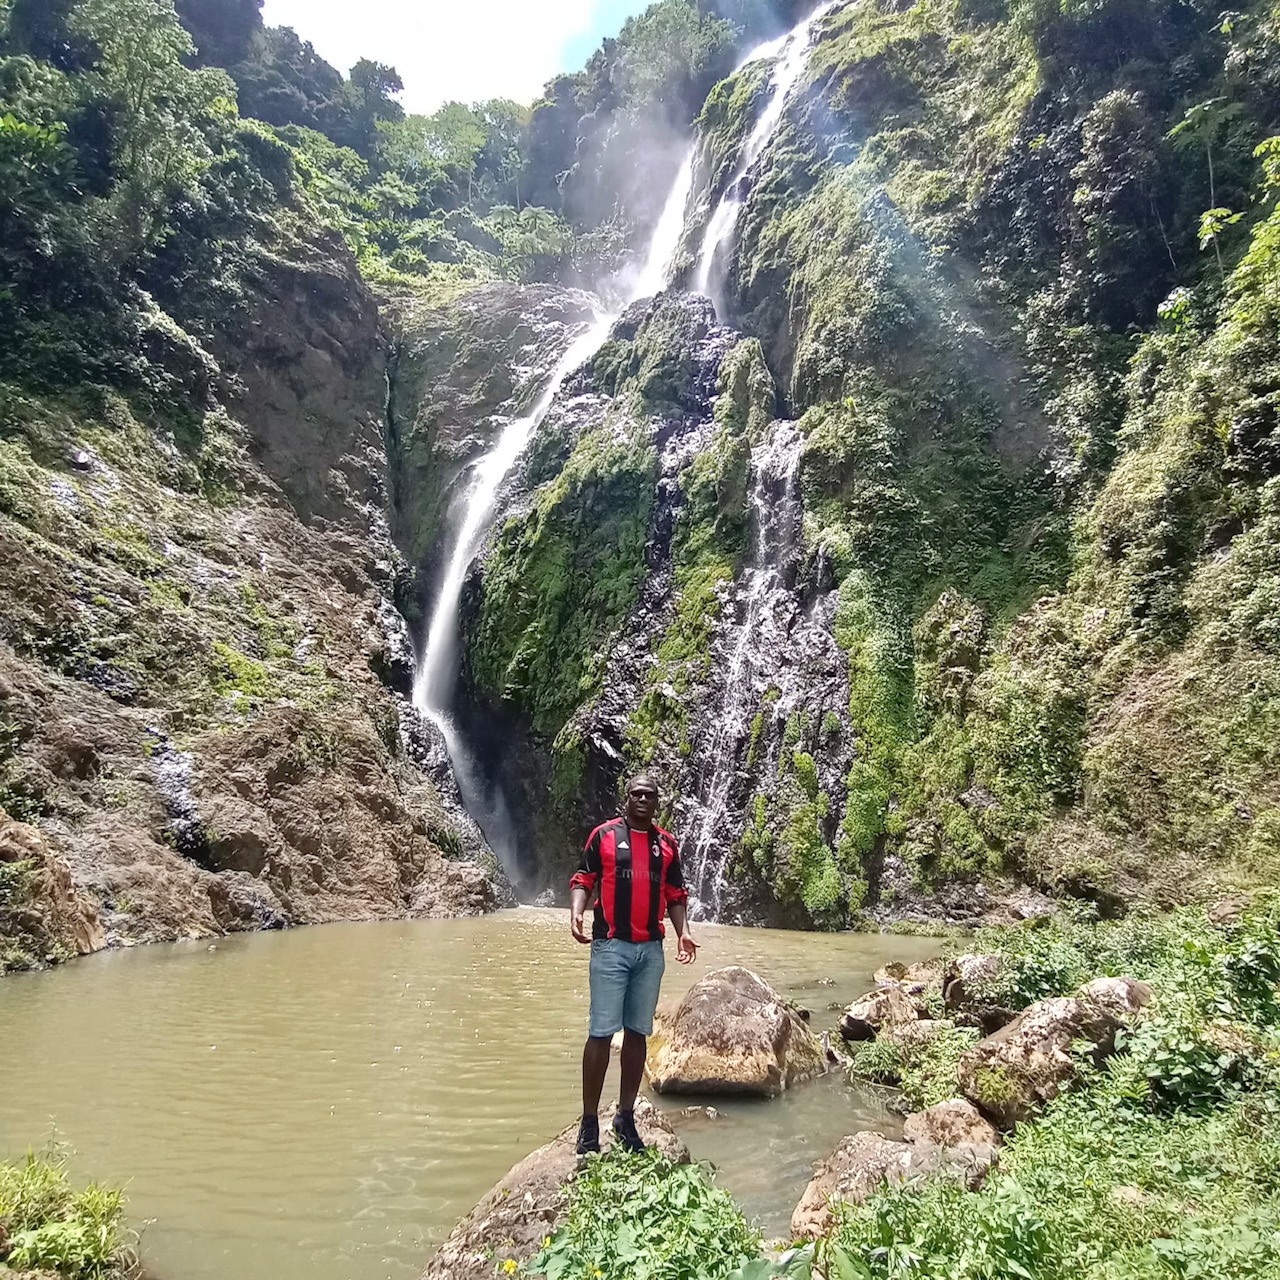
(161, 110)
(370, 94)
(285, 82)
(41, 29)
(392, 196)
(223, 30)
(551, 136)
(460, 135)
(672, 55)
(501, 158)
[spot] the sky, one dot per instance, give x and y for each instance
(457, 50)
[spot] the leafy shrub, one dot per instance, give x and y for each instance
(1183, 1070)
(931, 1075)
(632, 1217)
(79, 1235)
(880, 1060)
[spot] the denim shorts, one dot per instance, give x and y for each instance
(625, 978)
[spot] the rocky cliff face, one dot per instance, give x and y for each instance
(902, 582)
(940, 563)
(198, 636)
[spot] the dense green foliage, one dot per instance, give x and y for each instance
(50, 1227)
(1159, 1164)
(990, 231)
(642, 1217)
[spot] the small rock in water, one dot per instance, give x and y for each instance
(701, 1113)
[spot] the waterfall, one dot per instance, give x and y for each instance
(766, 605)
(438, 668)
(792, 54)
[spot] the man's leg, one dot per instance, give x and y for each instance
(633, 1052)
(637, 1020)
(595, 1063)
(608, 990)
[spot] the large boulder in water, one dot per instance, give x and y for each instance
(733, 1033)
(858, 1166)
(1010, 1074)
(529, 1204)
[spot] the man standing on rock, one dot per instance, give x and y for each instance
(637, 868)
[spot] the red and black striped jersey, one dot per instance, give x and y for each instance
(639, 876)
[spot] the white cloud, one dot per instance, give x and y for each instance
(445, 50)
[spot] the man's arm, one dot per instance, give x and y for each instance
(678, 909)
(577, 913)
(582, 886)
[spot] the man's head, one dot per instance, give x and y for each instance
(641, 804)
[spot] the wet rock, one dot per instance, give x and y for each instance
(308, 802)
(860, 1165)
(700, 1113)
(963, 903)
(964, 992)
(915, 979)
(455, 889)
(955, 1123)
(239, 836)
(148, 892)
(43, 916)
(885, 1007)
(240, 902)
(528, 1204)
(976, 968)
(1011, 1073)
(732, 1033)
(1121, 997)
(950, 1139)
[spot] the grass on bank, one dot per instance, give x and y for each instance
(47, 1226)
(1161, 1165)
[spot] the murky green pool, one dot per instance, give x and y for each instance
(326, 1103)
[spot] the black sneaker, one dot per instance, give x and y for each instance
(589, 1135)
(624, 1125)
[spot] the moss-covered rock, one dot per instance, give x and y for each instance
(561, 579)
(458, 371)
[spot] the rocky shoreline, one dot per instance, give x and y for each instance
(733, 1034)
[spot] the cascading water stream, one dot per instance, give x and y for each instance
(438, 668)
(766, 605)
(792, 54)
